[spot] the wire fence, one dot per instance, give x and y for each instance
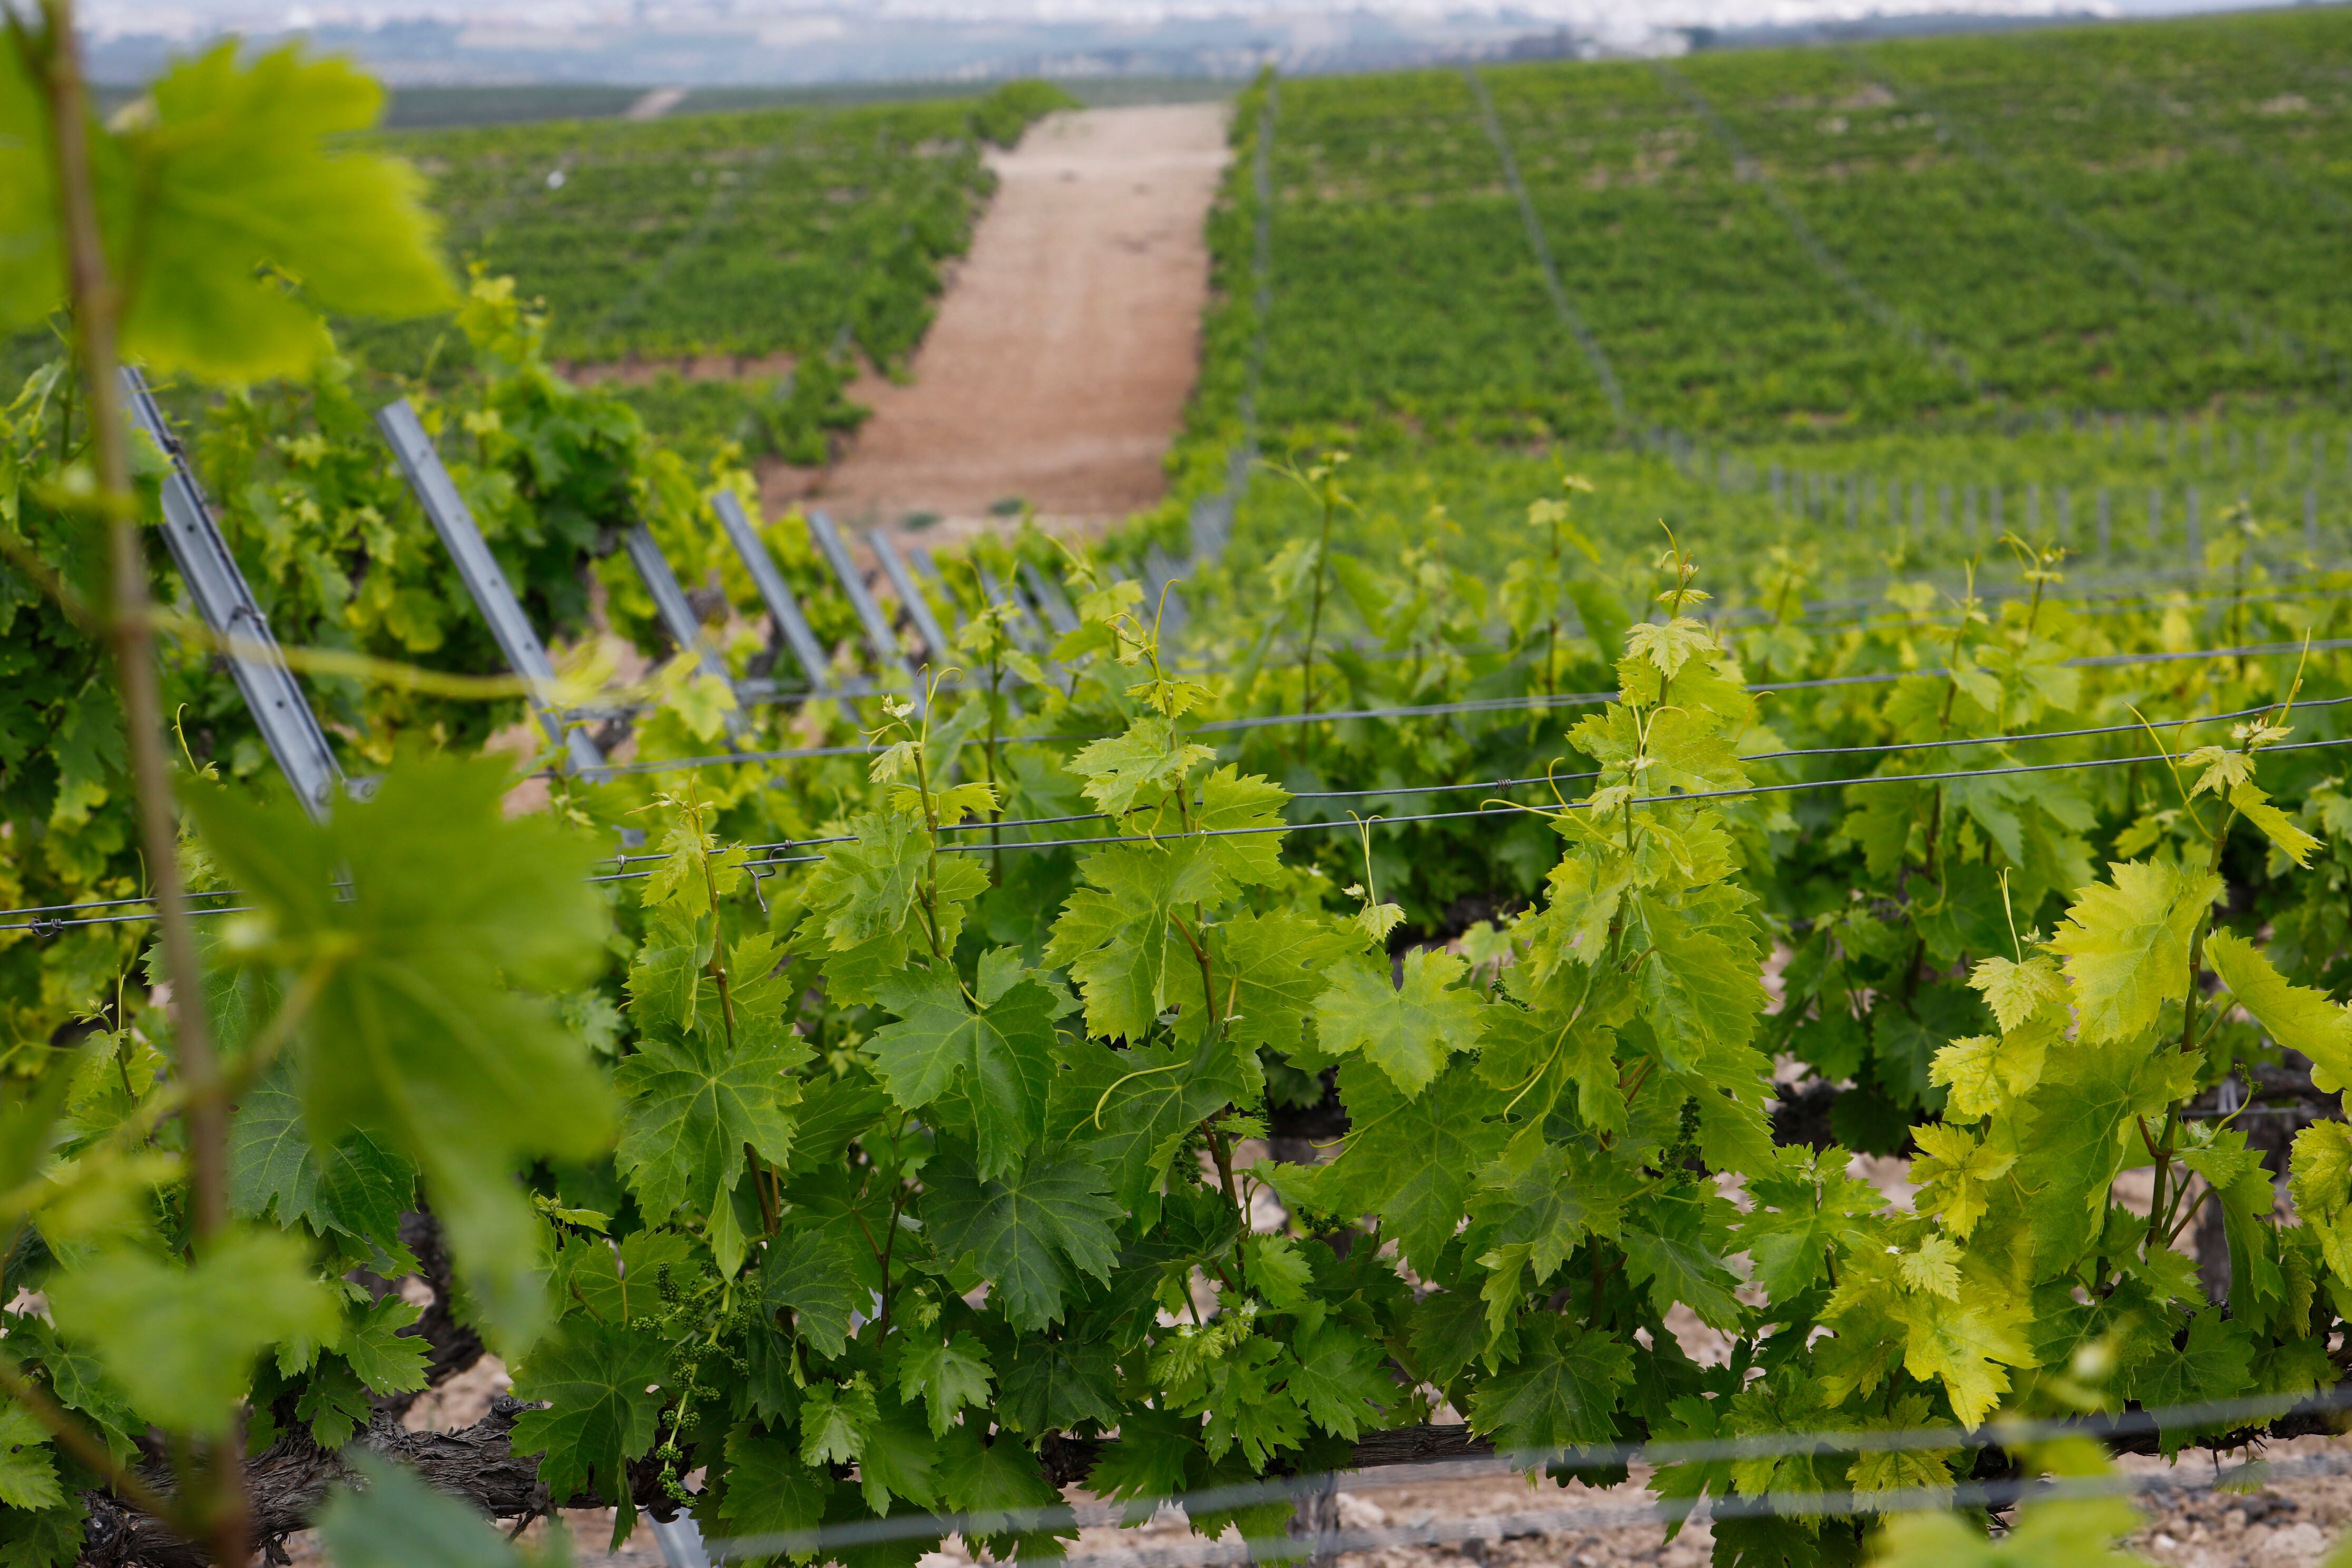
(2228, 1418)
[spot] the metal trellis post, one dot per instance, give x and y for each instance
(421, 465)
(225, 602)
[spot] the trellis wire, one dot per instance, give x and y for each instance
(768, 862)
(1529, 702)
(2010, 1434)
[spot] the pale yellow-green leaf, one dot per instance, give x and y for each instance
(1965, 1343)
(1953, 1170)
(1987, 1072)
(2295, 1016)
(235, 212)
(2126, 943)
(2275, 825)
(1933, 1267)
(2319, 1174)
(2017, 991)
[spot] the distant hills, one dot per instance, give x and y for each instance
(729, 44)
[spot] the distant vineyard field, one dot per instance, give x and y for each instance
(750, 233)
(2135, 217)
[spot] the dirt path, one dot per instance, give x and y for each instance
(1057, 370)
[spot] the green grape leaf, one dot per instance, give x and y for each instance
(769, 1491)
(361, 1189)
(813, 1274)
(1341, 1379)
(1133, 1108)
(947, 1375)
(1053, 1386)
(897, 1457)
(239, 173)
(386, 1360)
(602, 1383)
(2126, 945)
(692, 1107)
(29, 1468)
(1032, 1231)
(1410, 1159)
(668, 977)
(997, 1483)
(181, 1342)
(1561, 1391)
(1408, 1030)
(396, 1520)
(622, 1284)
(434, 1030)
(1703, 991)
(1001, 1056)
(2213, 1366)
(1665, 1251)
(2297, 1017)
(334, 1404)
(1268, 970)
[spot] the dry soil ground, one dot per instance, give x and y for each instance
(2290, 1522)
(1068, 342)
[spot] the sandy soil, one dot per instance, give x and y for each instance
(1068, 342)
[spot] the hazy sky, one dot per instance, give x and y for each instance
(108, 14)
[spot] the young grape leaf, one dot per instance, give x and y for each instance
(1030, 1232)
(2275, 825)
(334, 1404)
(2126, 945)
(1408, 1030)
(1341, 1379)
(1965, 1343)
(239, 174)
(619, 1285)
(1116, 937)
(1141, 767)
(1001, 1056)
(769, 1491)
(2297, 1017)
